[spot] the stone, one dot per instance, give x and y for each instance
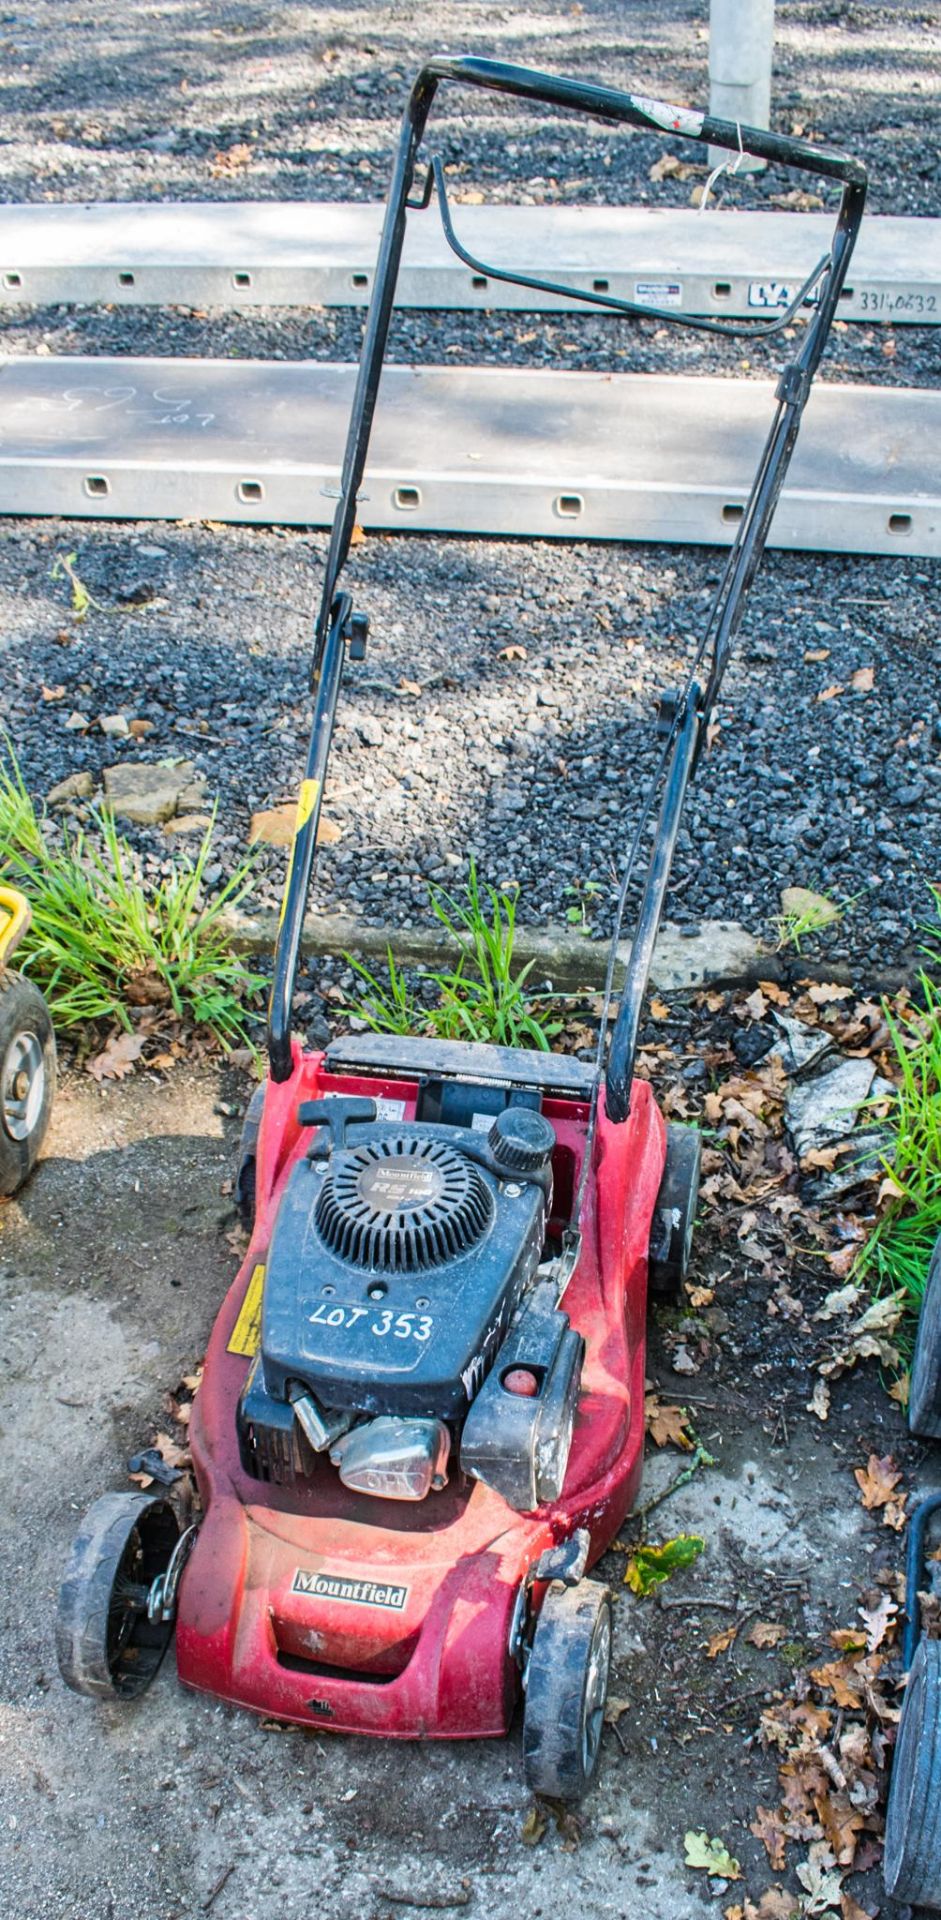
(114, 724)
(77, 723)
(275, 827)
(149, 794)
(800, 1047)
(76, 786)
(824, 1110)
(188, 823)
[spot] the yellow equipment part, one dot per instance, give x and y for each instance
(15, 916)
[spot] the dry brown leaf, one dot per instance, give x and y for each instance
(658, 1010)
(774, 993)
(831, 692)
(721, 1640)
(825, 991)
(174, 1455)
(513, 652)
(116, 1060)
(756, 1006)
(819, 1402)
(815, 654)
(877, 1481)
(701, 1296)
(878, 1621)
(358, 535)
(766, 1633)
(863, 680)
(767, 1828)
(850, 1909)
(231, 161)
(667, 1426)
(900, 1389)
(53, 693)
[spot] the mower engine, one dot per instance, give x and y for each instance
(404, 1322)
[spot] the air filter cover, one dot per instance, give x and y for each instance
(401, 1205)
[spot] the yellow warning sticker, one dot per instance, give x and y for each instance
(306, 802)
(246, 1333)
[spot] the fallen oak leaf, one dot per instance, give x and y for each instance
(648, 1566)
(533, 1827)
(116, 1060)
(877, 1481)
(831, 692)
(710, 1856)
(819, 1402)
(878, 1621)
(765, 1633)
(767, 1828)
(863, 680)
(667, 1426)
(721, 1640)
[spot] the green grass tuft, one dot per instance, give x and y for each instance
(899, 1249)
(101, 940)
(481, 997)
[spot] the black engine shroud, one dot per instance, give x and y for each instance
(395, 1266)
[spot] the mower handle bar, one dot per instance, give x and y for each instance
(336, 624)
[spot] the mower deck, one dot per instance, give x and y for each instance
(322, 1605)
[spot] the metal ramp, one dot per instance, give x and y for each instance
(483, 451)
(268, 253)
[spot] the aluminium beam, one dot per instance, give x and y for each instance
(474, 451)
(269, 253)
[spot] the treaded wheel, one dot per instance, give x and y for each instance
(671, 1230)
(27, 1077)
(912, 1863)
(106, 1645)
(924, 1394)
(566, 1689)
(248, 1155)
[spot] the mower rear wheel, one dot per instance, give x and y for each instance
(27, 1077)
(105, 1643)
(566, 1690)
(912, 1864)
(248, 1159)
(924, 1394)
(671, 1231)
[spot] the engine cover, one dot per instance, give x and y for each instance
(394, 1269)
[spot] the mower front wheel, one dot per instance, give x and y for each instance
(671, 1231)
(912, 1864)
(924, 1394)
(106, 1643)
(566, 1690)
(27, 1077)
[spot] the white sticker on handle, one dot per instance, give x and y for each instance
(671, 119)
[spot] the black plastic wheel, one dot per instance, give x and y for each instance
(105, 1643)
(912, 1864)
(671, 1230)
(566, 1689)
(924, 1393)
(248, 1154)
(27, 1077)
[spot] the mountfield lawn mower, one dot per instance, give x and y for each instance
(422, 1413)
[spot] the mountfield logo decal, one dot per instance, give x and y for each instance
(360, 1593)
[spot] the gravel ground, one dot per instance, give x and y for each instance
(835, 794)
(529, 764)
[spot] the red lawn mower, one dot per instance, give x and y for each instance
(421, 1419)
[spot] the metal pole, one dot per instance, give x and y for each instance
(741, 41)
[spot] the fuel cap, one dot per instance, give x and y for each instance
(521, 1140)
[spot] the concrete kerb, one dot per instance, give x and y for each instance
(716, 953)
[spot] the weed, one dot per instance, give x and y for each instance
(100, 940)
(63, 567)
(585, 895)
(805, 913)
(900, 1246)
(481, 998)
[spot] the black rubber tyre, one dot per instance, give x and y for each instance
(248, 1152)
(912, 1864)
(671, 1230)
(106, 1645)
(27, 1077)
(924, 1394)
(566, 1690)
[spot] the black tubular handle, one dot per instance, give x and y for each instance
(334, 619)
(638, 110)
